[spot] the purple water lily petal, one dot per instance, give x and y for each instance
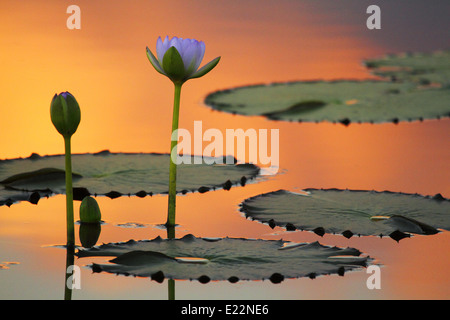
(189, 57)
(200, 53)
(185, 44)
(65, 94)
(162, 47)
(175, 42)
(159, 49)
(191, 52)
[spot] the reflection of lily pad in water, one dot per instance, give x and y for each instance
(131, 225)
(6, 264)
(351, 212)
(420, 68)
(224, 259)
(343, 101)
(11, 196)
(114, 174)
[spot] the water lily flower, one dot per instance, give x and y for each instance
(179, 59)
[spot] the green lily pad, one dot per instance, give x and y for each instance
(420, 68)
(114, 175)
(350, 212)
(31, 177)
(340, 101)
(230, 259)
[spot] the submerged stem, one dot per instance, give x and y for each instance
(171, 287)
(70, 259)
(173, 152)
(69, 194)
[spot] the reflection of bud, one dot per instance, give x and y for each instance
(65, 113)
(90, 211)
(89, 234)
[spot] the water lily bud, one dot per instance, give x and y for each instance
(179, 59)
(90, 211)
(65, 113)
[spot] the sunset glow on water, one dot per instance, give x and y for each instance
(126, 106)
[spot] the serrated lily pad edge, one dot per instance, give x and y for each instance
(320, 231)
(222, 107)
(33, 196)
(275, 278)
(367, 63)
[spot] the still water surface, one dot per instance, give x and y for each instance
(126, 107)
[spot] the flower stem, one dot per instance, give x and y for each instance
(69, 194)
(170, 224)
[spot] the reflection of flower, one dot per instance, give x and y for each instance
(179, 59)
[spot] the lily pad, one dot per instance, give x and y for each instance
(421, 68)
(114, 175)
(350, 212)
(230, 259)
(340, 101)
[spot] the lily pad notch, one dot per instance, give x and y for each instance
(351, 212)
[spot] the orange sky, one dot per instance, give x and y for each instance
(125, 104)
